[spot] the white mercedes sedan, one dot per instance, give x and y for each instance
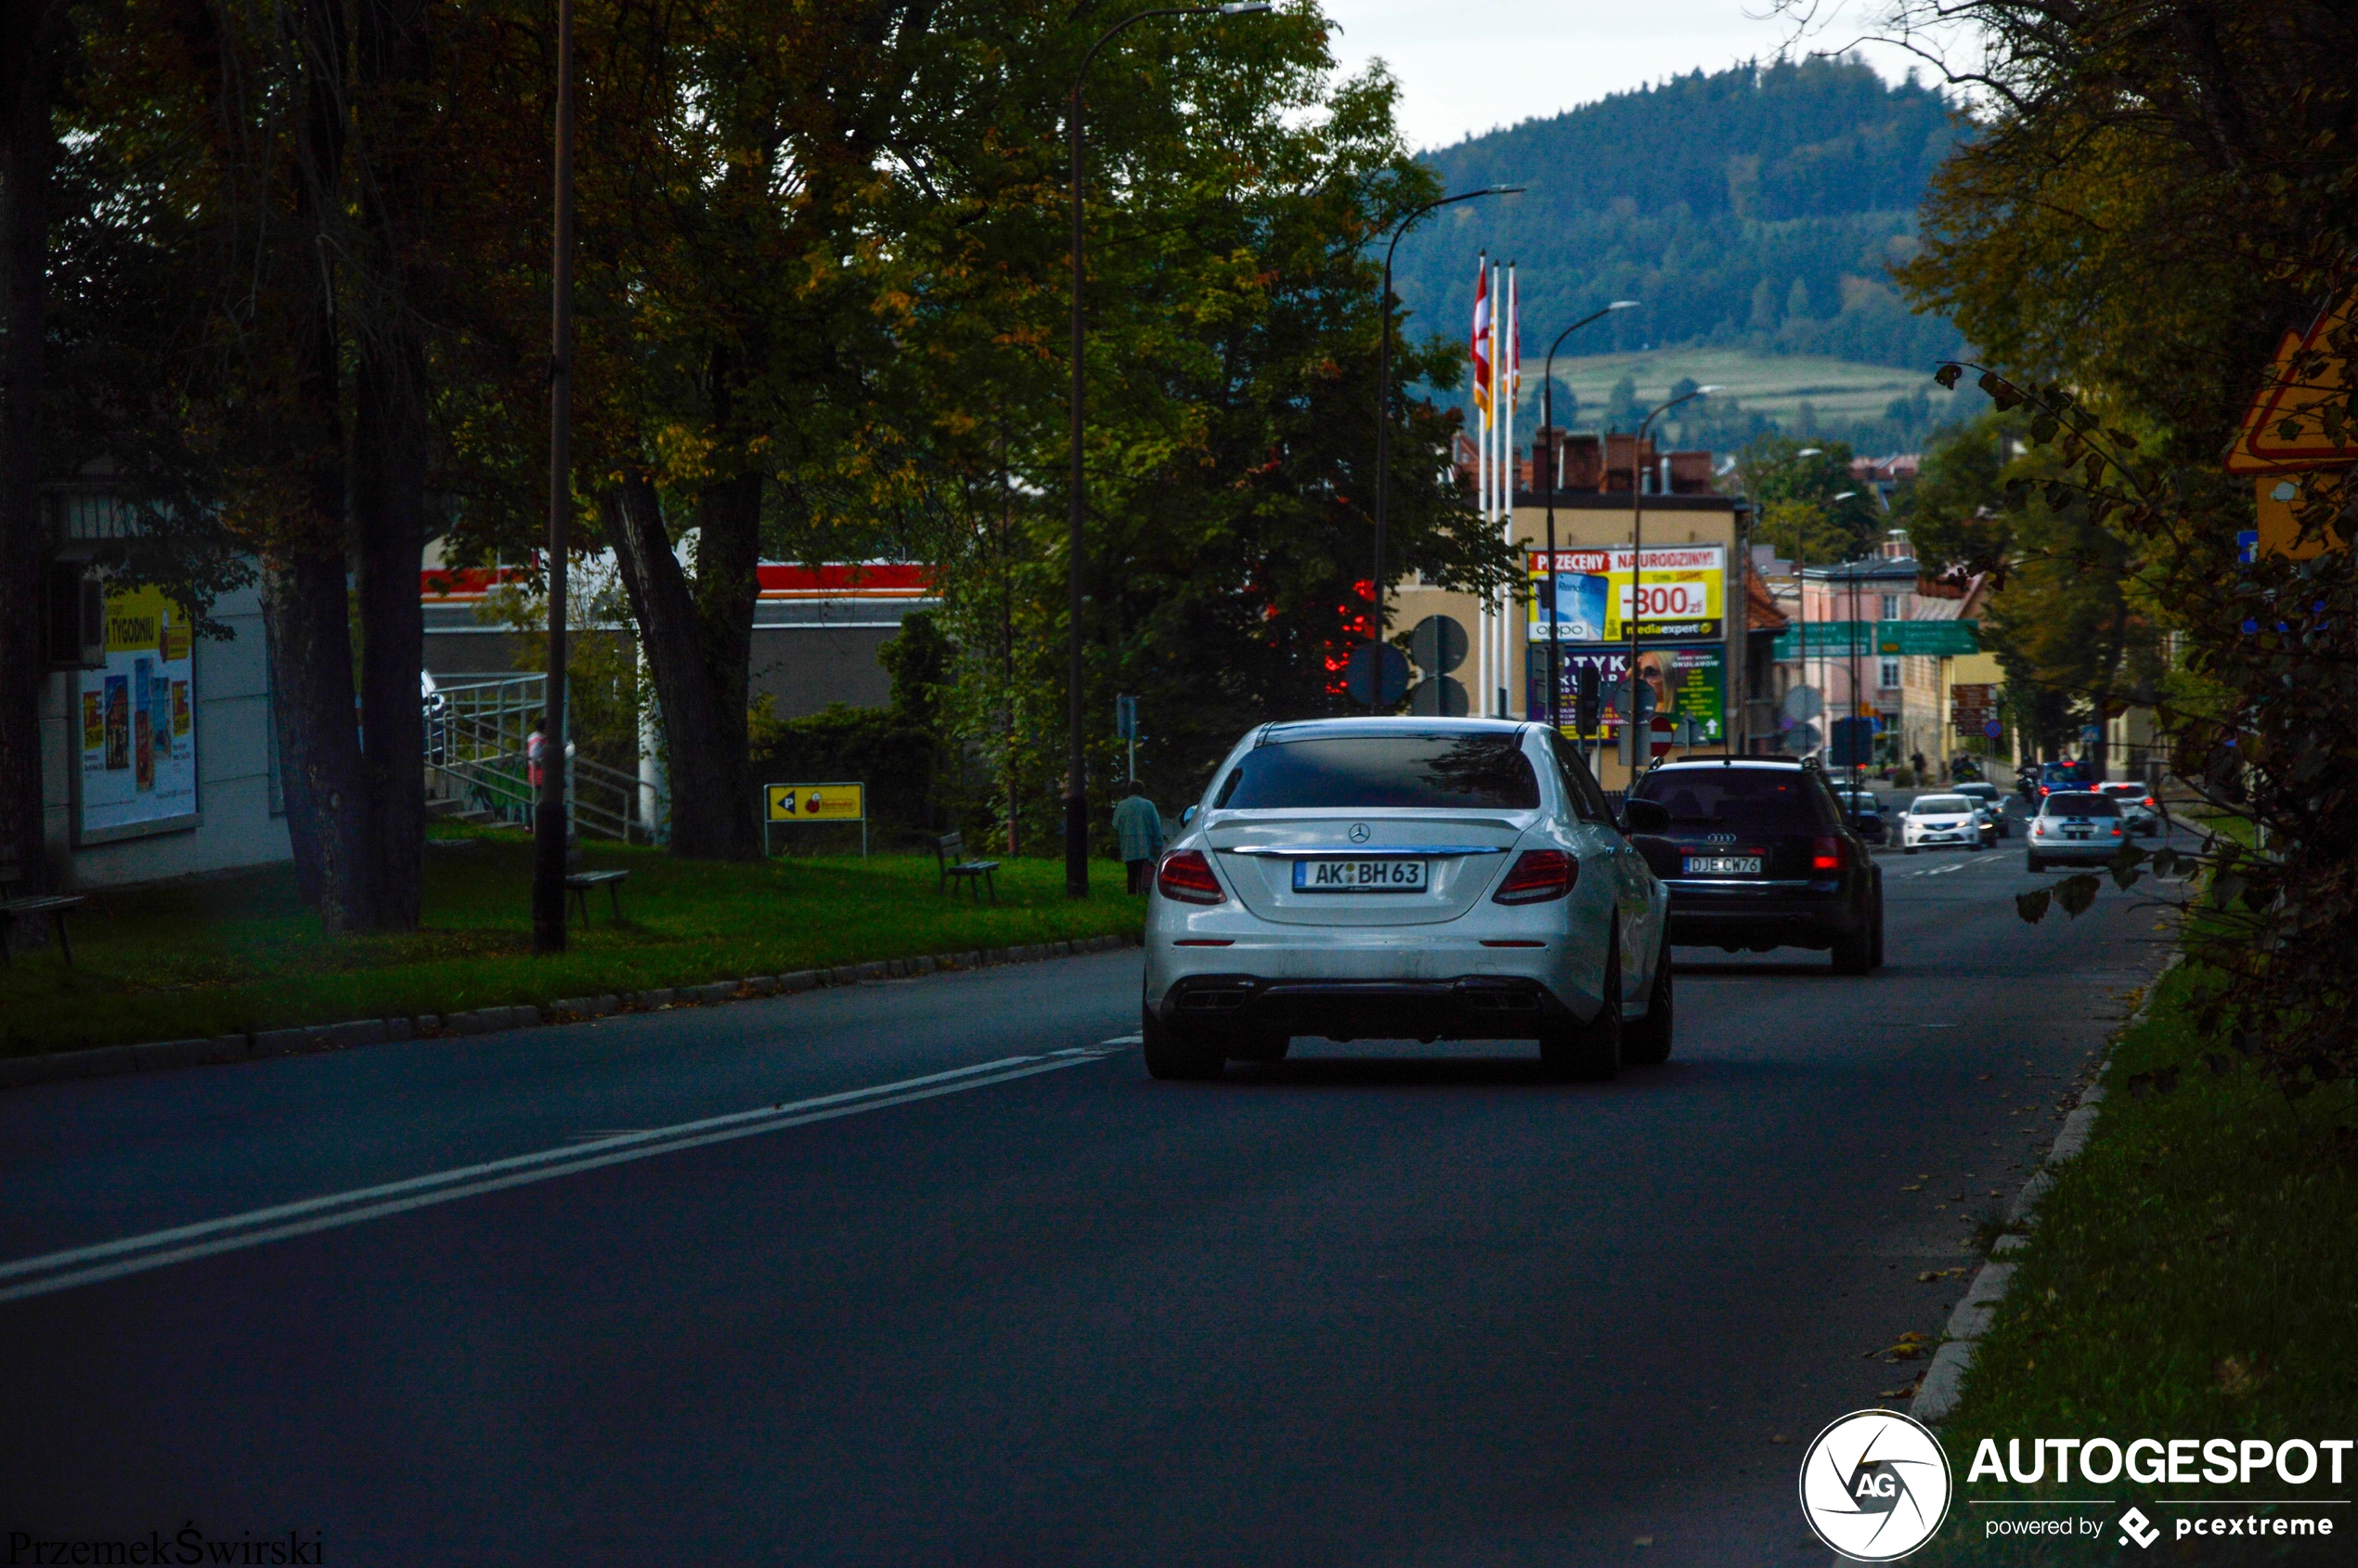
(1406, 878)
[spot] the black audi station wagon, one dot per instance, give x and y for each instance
(1759, 855)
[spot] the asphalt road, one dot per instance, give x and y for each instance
(1380, 1303)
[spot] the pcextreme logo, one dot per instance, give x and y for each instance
(1874, 1485)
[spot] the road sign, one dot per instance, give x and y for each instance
(1125, 718)
(1439, 696)
(2297, 419)
(1802, 739)
(1854, 743)
(1802, 703)
(1377, 675)
(839, 802)
(1993, 729)
(1438, 644)
(819, 802)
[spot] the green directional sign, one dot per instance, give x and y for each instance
(1928, 639)
(1918, 639)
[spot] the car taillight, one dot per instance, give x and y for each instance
(1825, 854)
(2149, 802)
(1187, 876)
(1537, 876)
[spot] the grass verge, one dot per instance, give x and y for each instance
(237, 952)
(2192, 1276)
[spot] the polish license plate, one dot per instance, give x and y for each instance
(1359, 876)
(1722, 865)
(2079, 832)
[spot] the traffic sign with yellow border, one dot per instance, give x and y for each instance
(816, 802)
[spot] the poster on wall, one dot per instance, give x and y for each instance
(1688, 682)
(139, 724)
(1685, 593)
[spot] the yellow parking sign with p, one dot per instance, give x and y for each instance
(816, 802)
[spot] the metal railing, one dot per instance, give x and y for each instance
(476, 742)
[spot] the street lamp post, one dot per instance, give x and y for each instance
(1801, 586)
(1640, 746)
(549, 810)
(1076, 760)
(1857, 769)
(1555, 438)
(1383, 408)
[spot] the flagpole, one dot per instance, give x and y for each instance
(1500, 478)
(1507, 639)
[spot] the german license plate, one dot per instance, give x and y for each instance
(1723, 865)
(1359, 876)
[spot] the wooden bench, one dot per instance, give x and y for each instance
(950, 852)
(579, 883)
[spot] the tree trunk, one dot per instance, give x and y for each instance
(29, 42)
(306, 608)
(698, 641)
(390, 454)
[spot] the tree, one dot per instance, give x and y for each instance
(2156, 192)
(1799, 512)
(33, 41)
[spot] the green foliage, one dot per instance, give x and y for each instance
(207, 955)
(1721, 201)
(2182, 1279)
(1799, 511)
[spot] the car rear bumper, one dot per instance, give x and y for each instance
(1462, 1007)
(2092, 851)
(1719, 915)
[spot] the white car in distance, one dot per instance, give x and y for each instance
(1406, 878)
(1935, 820)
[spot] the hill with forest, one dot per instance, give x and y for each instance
(1756, 210)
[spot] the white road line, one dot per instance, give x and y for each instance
(1946, 870)
(134, 1254)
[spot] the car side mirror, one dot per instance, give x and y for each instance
(1187, 817)
(1645, 816)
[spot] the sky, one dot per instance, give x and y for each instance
(1469, 66)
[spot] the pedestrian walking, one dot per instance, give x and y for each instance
(535, 746)
(1138, 824)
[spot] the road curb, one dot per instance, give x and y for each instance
(114, 1061)
(1943, 1381)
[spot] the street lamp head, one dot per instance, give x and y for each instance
(1707, 391)
(1845, 494)
(1244, 7)
(1811, 452)
(1623, 305)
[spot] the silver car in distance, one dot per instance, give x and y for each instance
(1406, 878)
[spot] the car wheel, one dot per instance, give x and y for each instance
(1854, 954)
(1648, 1038)
(1588, 1052)
(1911, 848)
(1260, 1048)
(1170, 1056)
(2035, 863)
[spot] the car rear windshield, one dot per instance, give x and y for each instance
(1940, 806)
(2129, 788)
(1451, 773)
(2081, 806)
(1759, 798)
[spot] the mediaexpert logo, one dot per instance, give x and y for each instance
(1874, 1485)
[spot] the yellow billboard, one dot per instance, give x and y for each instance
(1684, 593)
